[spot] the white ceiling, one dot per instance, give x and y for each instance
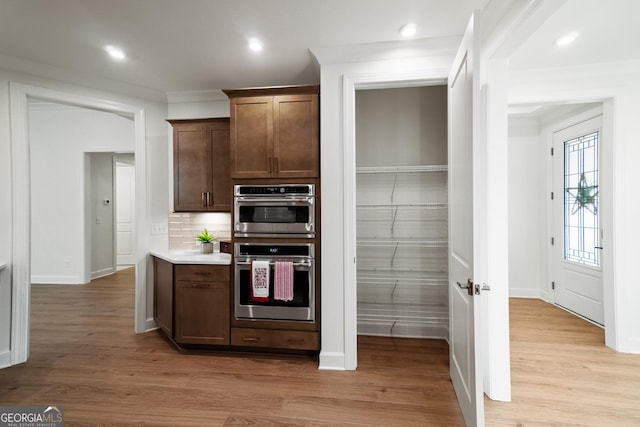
(189, 45)
(608, 31)
(196, 45)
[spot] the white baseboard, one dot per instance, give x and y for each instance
(332, 361)
(56, 280)
(150, 325)
(102, 273)
(632, 346)
(5, 359)
(524, 293)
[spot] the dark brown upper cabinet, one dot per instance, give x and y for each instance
(275, 132)
(201, 180)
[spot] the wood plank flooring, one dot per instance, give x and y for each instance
(86, 357)
(563, 375)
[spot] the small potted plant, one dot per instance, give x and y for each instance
(206, 242)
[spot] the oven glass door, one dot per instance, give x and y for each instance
(301, 308)
(269, 216)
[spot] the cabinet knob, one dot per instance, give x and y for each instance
(204, 199)
(250, 339)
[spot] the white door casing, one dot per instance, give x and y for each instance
(464, 313)
(577, 285)
(125, 213)
(21, 263)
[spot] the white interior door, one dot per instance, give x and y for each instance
(125, 213)
(577, 271)
(464, 313)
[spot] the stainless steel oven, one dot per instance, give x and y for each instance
(286, 210)
(300, 306)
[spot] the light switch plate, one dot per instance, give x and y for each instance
(159, 228)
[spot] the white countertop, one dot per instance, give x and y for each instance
(192, 257)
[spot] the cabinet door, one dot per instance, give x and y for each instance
(296, 136)
(220, 194)
(251, 137)
(202, 312)
(163, 290)
(192, 175)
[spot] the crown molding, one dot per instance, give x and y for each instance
(177, 97)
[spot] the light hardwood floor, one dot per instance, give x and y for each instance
(85, 356)
(563, 375)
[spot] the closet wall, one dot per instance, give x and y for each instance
(402, 261)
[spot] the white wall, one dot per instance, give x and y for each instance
(60, 136)
(618, 86)
(102, 217)
(527, 207)
(156, 176)
(401, 126)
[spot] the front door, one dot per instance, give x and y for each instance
(464, 313)
(576, 270)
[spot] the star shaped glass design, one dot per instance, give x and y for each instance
(585, 196)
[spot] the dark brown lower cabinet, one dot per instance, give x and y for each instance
(163, 292)
(202, 304)
(193, 308)
(273, 338)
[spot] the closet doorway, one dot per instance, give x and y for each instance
(402, 212)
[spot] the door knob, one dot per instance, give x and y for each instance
(468, 286)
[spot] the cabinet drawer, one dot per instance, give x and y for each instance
(202, 272)
(273, 338)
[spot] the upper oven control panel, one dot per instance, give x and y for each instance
(275, 190)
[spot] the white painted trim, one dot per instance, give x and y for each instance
(56, 280)
(102, 273)
(525, 293)
(21, 284)
(349, 233)
(332, 361)
(176, 97)
(150, 325)
(5, 359)
(21, 199)
(351, 83)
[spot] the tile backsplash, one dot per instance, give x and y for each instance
(185, 227)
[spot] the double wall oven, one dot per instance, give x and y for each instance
(274, 230)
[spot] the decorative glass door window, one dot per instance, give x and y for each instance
(581, 180)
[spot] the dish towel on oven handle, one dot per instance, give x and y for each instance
(283, 281)
(260, 281)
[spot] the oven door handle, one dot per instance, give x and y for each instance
(306, 263)
(271, 200)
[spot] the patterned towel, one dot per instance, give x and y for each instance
(260, 281)
(283, 281)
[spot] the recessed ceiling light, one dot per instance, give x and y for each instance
(566, 40)
(115, 53)
(255, 45)
(408, 30)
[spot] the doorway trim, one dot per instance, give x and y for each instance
(351, 83)
(21, 212)
(612, 289)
